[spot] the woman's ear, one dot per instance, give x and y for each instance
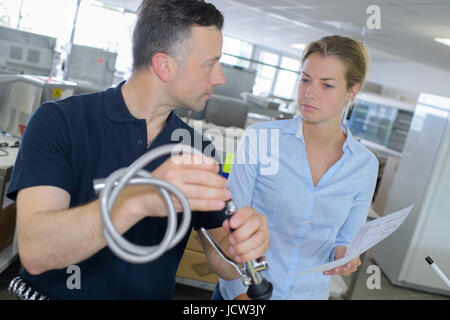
(163, 66)
(353, 91)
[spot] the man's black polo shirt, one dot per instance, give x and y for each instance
(68, 144)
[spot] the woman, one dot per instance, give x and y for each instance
(322, 189)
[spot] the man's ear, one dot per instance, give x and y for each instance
(164, 66)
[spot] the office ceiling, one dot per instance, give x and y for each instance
(408, 27)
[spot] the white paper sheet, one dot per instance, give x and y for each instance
(367, 236)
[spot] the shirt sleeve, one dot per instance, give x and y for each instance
(244, 171)
(44, 154)
(241, 183)
(358, 213)
(210, 219)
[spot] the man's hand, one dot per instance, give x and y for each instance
(250, 236)
(197, 178)
(346, 269)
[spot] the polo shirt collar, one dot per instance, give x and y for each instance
(115, 106)
(295, 127)
(117, 111)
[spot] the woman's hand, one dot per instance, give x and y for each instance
(346, 269)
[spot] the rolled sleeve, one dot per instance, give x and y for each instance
(358, 213)
(231, 289)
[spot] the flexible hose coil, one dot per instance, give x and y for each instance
(135, 175)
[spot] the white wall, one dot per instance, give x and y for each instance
(408, 79)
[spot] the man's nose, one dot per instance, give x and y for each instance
(219, 78)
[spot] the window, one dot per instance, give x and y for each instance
(265, 73)
(277, 74)
(274, 76)
(98, 26)
(124, 48)
(286, 83)
(108, 28)
(235, 48)
(54, 18)
(9, 13)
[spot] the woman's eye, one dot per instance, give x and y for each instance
(304, 80)
(328, 85)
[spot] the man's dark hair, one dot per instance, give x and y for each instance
(161, 24)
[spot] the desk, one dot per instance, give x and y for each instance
(8, 161)
(7, 255)
(381, 150)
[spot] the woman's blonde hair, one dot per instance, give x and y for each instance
(351, 52)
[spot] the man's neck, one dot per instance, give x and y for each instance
(145, 100)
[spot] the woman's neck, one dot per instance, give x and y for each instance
(323, 135)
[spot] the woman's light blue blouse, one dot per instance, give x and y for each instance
(271, 173)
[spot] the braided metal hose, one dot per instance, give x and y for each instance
(135, 175)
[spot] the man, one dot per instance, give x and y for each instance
(177, 45)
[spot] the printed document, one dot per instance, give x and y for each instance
(367, 236)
